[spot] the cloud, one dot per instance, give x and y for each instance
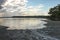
(1, 2)
(0, 7)
(19, 8)
(12, 4)
(13, 7)
(35, 10)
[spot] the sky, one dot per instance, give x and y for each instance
(28, 7)
(46, 3)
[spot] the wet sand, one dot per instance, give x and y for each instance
(51, 32)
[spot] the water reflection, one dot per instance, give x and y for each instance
(23, 23)
(1, 21)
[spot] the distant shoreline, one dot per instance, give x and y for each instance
(27, 17)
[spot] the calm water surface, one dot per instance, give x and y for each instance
(23, 23)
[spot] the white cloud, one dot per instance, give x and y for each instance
(14, 6)
(19, 7)
(35, 10)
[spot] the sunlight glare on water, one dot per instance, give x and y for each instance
(23, 23)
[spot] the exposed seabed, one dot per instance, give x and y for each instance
(51, 32)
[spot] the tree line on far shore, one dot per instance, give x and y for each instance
(55, 12)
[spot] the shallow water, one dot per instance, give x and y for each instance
(16, 24)
(23, 23)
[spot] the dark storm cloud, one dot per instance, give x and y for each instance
(1, 7)
(1, 2)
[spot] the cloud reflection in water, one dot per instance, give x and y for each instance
(24, 23)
